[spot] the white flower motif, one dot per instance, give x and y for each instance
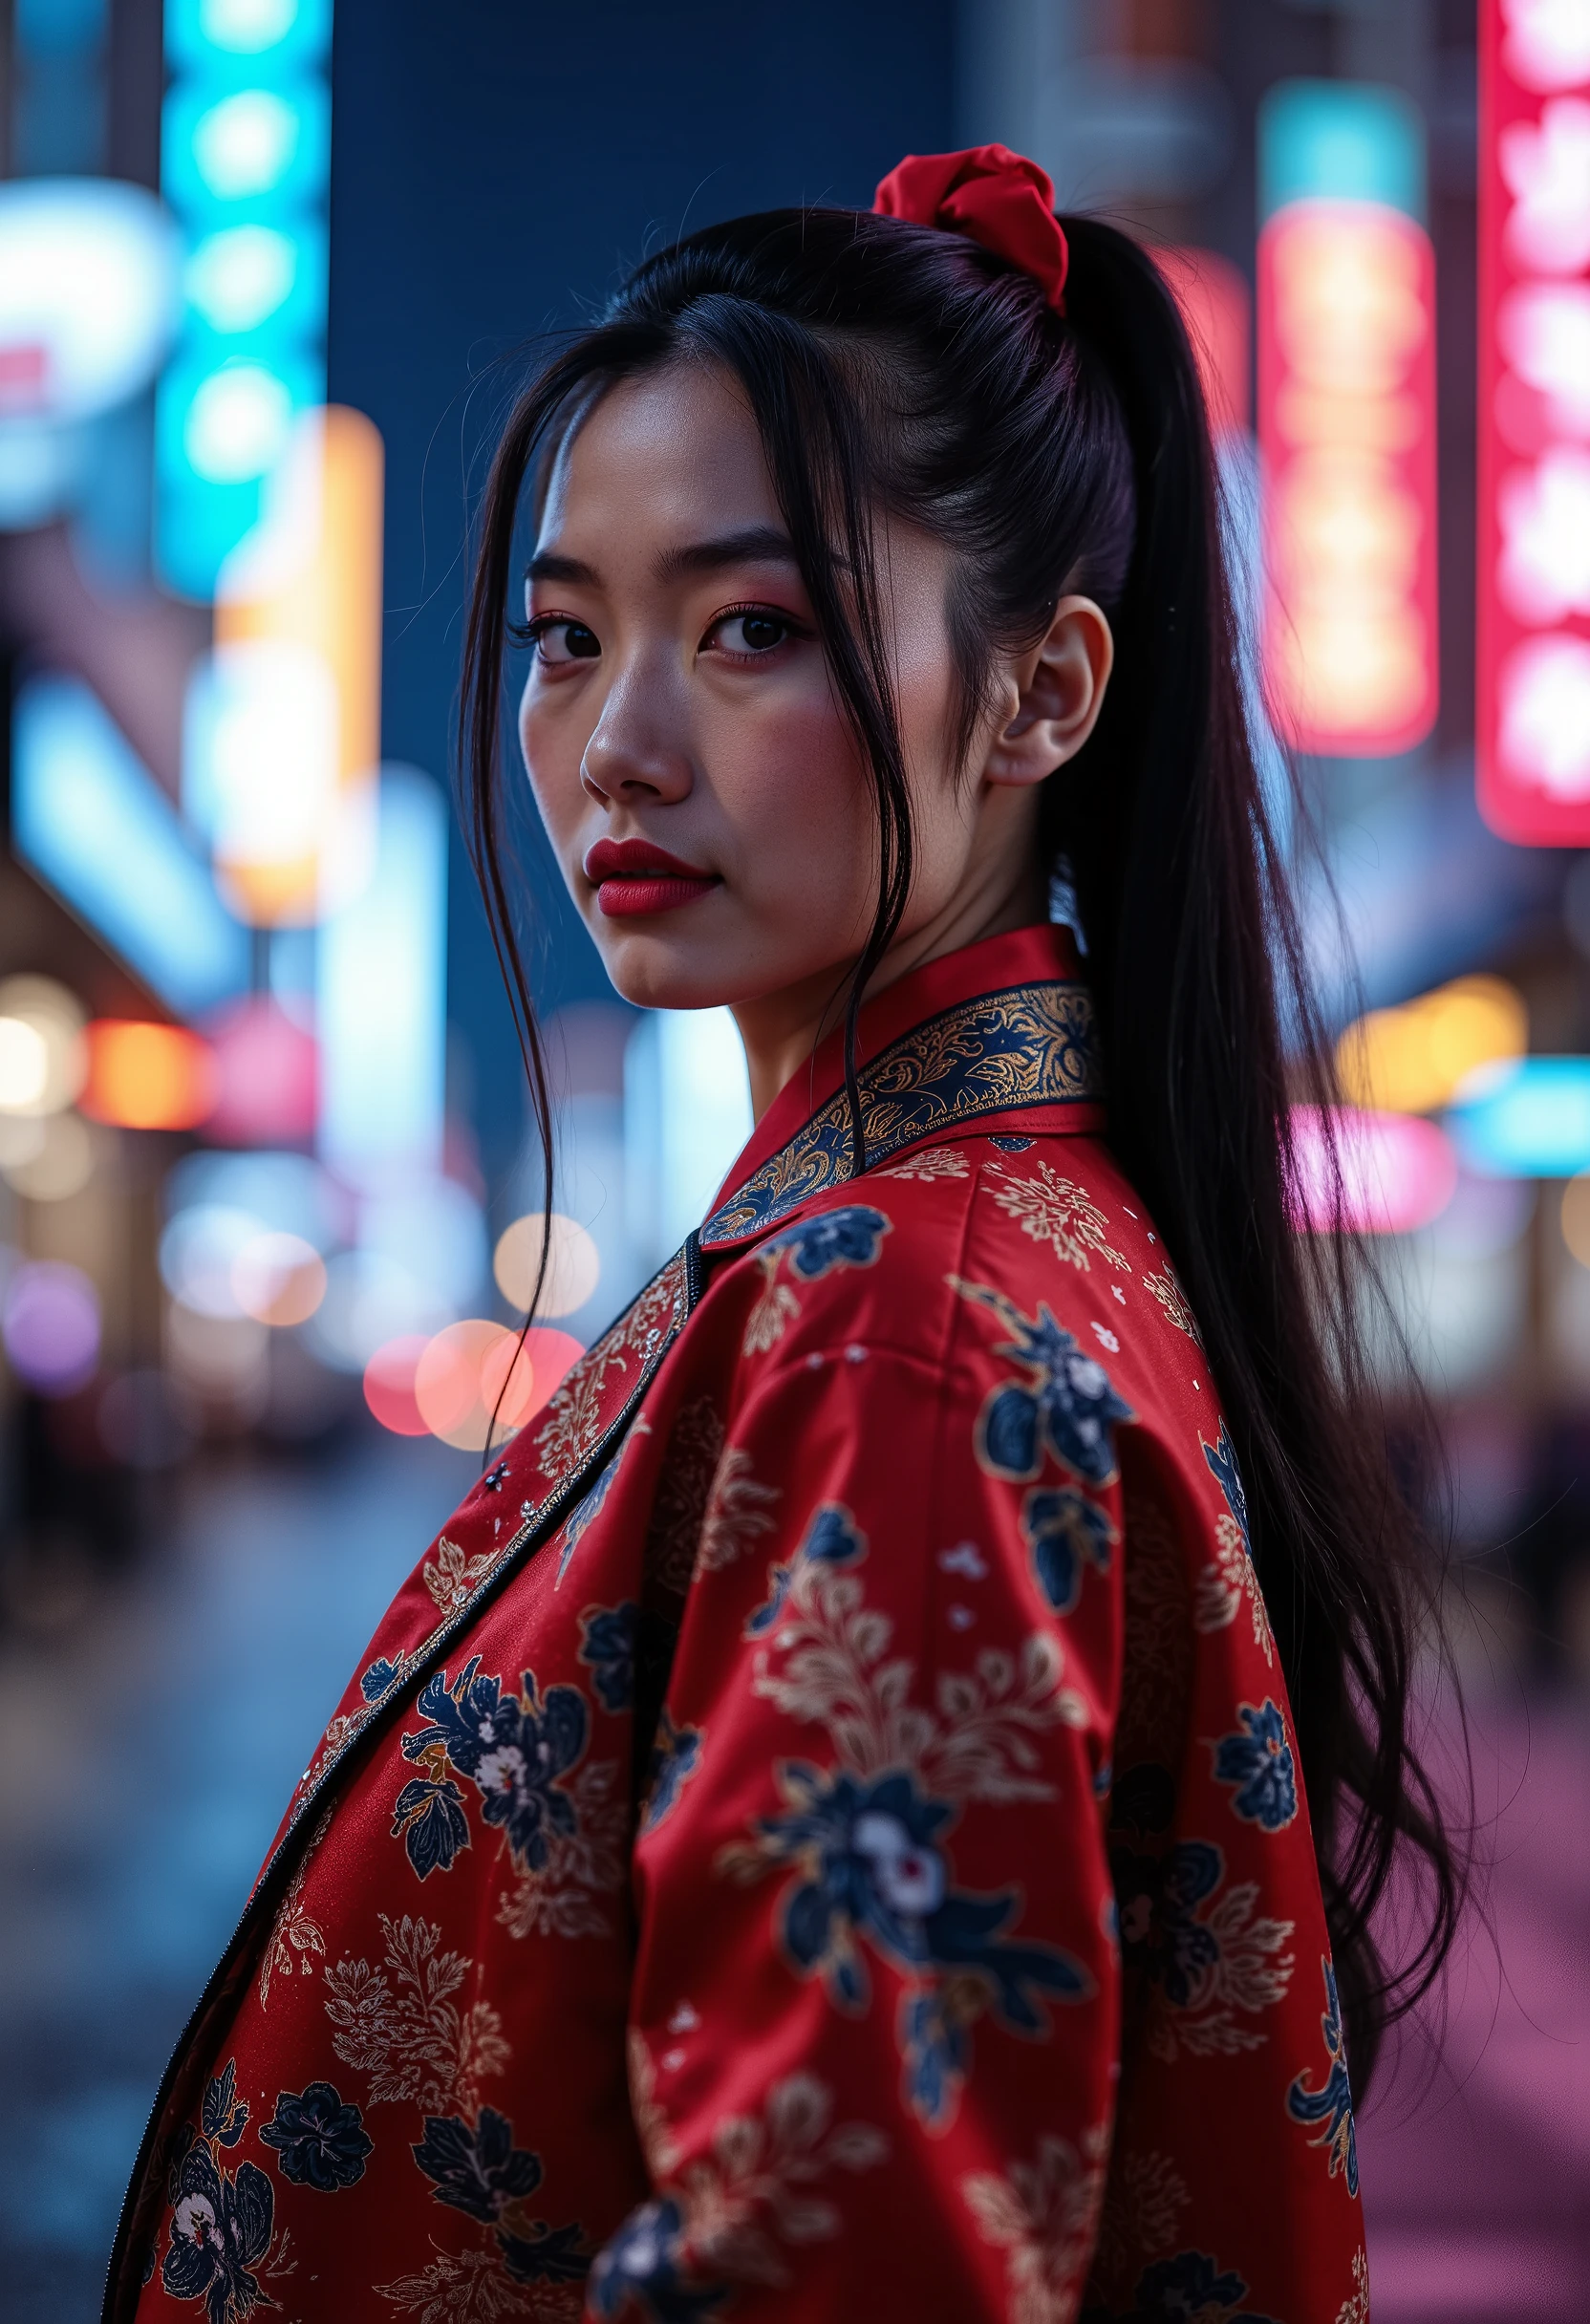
(908, 1876)
(195, 2219)
(1107, 1339)
(501, 1770)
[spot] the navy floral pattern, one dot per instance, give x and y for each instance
(221, 2220)
(675, 1752)
(1259, 1762)
(1066, 1405)
(321, 2141)
(1190, 2289)
(830, 1539)
(477, 2169)
(873, 1865)
(584, 1514)
(1157, 1898)
(847, 1238)
(513, 1748)
(1221, 1457)
(641, 2268)
(1064, 1531)
(1331, 2106)
(607, 1638)
(378, 1678)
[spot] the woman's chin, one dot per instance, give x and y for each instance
(654, 972)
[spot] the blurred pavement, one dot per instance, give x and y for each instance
(148, 1755)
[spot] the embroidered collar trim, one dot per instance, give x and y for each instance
(1031, 1045)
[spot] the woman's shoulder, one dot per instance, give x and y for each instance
(1035, 1230)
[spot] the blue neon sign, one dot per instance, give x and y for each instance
(246, 161)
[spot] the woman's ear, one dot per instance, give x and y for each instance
(1058, 689)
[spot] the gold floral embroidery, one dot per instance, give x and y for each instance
(451, 1577)
(1249, 1974)
(1146, 2197)
(1057, 1211)
(589, 1863)
(399, 2025)
(1356, 2310)
(775, 1309)
(658, 2142)
(759, 2167)
(293, 1932)
(736, 1513)
(1032, 1045)
(1042, 2215)
(1225, 1582)
(933, 1162)
(975, 1744)
(474, 2288)
(1163, 1285)
(580, 1410)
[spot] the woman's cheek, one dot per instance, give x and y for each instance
(552, 755)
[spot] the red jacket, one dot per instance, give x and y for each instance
(818, 1836)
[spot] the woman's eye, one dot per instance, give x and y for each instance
(752, 633)
(560, 642)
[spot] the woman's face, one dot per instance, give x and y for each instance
(706, 799)
(679, 720)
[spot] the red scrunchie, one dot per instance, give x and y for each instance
(992, 195)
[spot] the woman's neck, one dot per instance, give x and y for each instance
(781, 1030)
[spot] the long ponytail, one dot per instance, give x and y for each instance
(1197, 961)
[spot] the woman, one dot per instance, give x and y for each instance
(835, 1827)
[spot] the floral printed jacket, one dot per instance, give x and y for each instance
(818, 1836)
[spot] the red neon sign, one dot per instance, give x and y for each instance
(1532, 718)
(1346, 428)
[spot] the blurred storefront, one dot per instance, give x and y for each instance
(268, 1209)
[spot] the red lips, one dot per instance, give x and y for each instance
(632, 878)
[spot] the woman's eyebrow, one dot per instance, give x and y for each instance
(754, 542)
(547, 564)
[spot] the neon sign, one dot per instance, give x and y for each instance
(1346, 419)
(1533, 667)
(244, 163)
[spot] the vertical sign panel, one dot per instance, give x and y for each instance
(1346, 419)
(1533, 577)
(244, 163)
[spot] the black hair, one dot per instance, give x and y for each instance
(890, 366)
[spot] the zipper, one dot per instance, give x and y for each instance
(267, 1890)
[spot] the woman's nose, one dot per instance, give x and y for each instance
(631, 754)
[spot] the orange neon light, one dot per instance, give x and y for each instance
(147, 1076)
(1346, 397)
(312, 587)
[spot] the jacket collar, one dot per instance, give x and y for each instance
(1003, 1028)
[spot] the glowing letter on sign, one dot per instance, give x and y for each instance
(1533, 671)
(1346, 419)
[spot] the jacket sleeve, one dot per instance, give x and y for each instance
(875, 2010)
